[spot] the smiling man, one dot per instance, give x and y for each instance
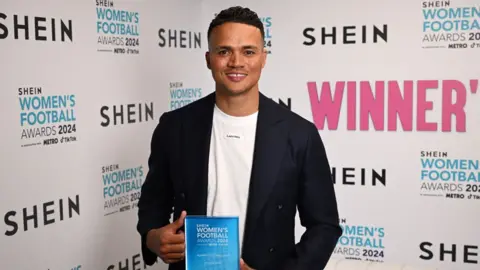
(237, 152)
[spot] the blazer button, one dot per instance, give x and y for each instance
(182, 195)
(279, 206)
(271, 249)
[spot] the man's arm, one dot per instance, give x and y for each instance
(156, 199)
(317, 209)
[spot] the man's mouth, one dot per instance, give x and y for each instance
(236, 77)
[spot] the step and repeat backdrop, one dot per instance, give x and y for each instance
(392, 86)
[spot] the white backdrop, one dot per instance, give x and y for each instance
(104, 91)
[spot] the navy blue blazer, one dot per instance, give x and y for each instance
(290, 170)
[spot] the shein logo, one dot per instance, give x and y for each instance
(48, 214)
(36, 28)
(127, 114)
(179, 39)
(347, 35)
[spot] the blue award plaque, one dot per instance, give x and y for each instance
(212, 243)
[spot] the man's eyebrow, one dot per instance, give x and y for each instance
(230, 47)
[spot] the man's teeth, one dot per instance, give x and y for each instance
(237, 75)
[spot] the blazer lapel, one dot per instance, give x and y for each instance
(270, 145)
(196, 149)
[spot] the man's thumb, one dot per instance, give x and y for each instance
(179, 222)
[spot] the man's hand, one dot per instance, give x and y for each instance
(167, 243)
(244, 266)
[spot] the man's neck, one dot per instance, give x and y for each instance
(241, 105)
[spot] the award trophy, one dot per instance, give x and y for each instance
(212, 243)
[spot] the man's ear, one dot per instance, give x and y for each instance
(207, 59)
(265, 53)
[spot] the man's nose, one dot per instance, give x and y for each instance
(236, 60)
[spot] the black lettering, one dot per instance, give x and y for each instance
(306, 34)
(111, 267)
(333, 35)
(104, 116)
(75, 206)
(47, 212)
(61, 209)
(136, 261)
(346, 176)
(54, 34)
(197, 40)
(47, 215)
(183, 39)
(443, 252)
(162, 38)
(120, 267)
(17, 26)
(379, 33)
(423, 247)
(144, 112)
(39, 28)
(374, 178)
(26, 218)
(172, 37)
(467, 253)
(67, 30)
(347, 34)
(364, 34)
(131, 112)
(377, 177)
(430, 4)
(11, 223)
(4, 33)
(117, 114)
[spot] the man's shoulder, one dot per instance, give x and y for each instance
(293, 119)
(192, 109)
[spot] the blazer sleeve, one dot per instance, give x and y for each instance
(156, 199)
(317, 207)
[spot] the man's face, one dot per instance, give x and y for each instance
(236, 57)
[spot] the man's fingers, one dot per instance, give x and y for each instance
(242, 265)
(168, 261)
(172, 238)
(176, 248)
(176, 239)
(177, 224)
(175, 256)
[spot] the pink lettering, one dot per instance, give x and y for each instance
(401, 106)
(352, 105)
(423, 105)
(372, 105)
(326, 105)
(450, 108)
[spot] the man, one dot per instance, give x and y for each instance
(236, 152)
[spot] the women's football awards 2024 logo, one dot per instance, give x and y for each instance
(446, 176)
(450, 24)
(361, 242)
(118, 31)
(46, 119)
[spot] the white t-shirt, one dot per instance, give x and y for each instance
(230, 165)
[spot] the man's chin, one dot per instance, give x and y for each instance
(236, 91)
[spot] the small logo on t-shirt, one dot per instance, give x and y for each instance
(233, 136)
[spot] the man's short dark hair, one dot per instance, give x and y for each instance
(239, 15)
